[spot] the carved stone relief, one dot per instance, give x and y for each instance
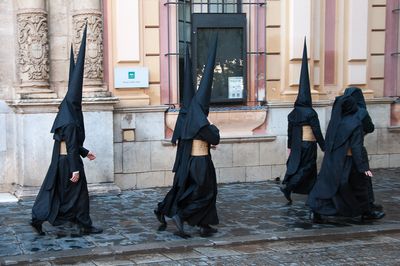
(33, 47)
(94, 43)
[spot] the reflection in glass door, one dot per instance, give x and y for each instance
(230, 68)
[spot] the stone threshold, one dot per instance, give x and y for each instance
(235, 108)
(186, 245)
(51, 105)
(394, 129)
(326, 103)
(98, 189)
(7, 198)
(238, 139)
(142, 109)
(280, 104)
(41, 102)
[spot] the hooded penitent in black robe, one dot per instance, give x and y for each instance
(368, 127)
(59, 199)
(338, 190)
(168, 206)
(197, 178)
(301, 165)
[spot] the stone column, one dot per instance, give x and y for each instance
(356, 53)
(33, 50)
(90, 12)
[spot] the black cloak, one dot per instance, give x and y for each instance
(368, 127)
(188, 93)
(59, 199)
(301, 164)
(197, 178)
(337, 190)
(168, 205)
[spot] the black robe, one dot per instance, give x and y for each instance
(59, 199)
(198, 183)
(341, 186)
(368, 127)
(301, 164)
(168, 206)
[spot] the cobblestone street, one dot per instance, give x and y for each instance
(362, 250)
(257, 227)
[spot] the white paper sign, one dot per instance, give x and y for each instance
(131, 77)
(235, 87)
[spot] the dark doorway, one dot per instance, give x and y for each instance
(230, 81)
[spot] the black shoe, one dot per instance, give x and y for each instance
(373, 215)
(160, 217)
(178, 222)
(206, 231)
(38, 228)
(376, 207)
(316, 218)
(286, 193)
(179, 225)
(90, 230)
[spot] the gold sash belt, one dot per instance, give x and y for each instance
(349, 153)
(308, 135)
(63, 148)
(199, 148)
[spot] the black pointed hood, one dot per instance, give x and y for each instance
(188, 93)
(200, 105)
(70, 109)
(357, 94)
(304, 94)
(203, 94)
(71, 64)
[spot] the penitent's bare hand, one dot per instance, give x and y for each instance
(213, 147)
(91, 156)
(369, 173)
(75, 177)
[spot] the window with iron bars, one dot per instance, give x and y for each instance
(241, 57)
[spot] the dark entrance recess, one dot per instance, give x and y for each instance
(240, 71)
(230, 73)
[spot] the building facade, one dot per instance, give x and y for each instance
(133, 75)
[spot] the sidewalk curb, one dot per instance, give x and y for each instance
(88, 253)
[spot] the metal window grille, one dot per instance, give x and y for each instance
(255, 53)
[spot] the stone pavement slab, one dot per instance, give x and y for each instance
(7, 197)
(375, 249)
(249, 213)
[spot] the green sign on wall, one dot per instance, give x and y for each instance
(131, 77)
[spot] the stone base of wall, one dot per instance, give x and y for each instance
(99, 189)
(133, 152)
(27, 144)
(147, 160)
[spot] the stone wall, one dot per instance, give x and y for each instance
(7, 147)
(29, 149)
(7, 79)
(141, 156)
(147, 159)
(383, 144)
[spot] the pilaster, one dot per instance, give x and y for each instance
(90, 13)
(33, 50)
(356, 54)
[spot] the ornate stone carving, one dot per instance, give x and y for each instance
(94, 43)
(33, 47)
